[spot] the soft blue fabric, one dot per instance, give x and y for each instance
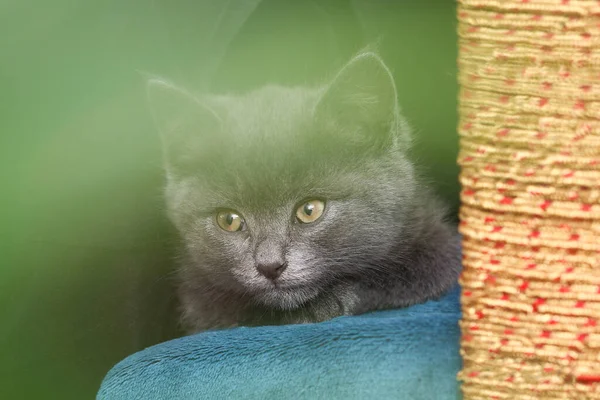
(410, 353)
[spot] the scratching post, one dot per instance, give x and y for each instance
(530, 216)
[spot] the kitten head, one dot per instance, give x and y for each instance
(282, 192)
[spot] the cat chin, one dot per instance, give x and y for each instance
(284, 298)
(284, 294)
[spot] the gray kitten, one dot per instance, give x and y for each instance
(299, 204)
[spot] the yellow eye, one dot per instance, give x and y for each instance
(230, 221)
(310, 211)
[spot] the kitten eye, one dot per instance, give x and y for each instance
(230, 221)
(310, 211)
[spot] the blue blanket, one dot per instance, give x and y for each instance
(410, 353)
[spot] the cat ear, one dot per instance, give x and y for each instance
(361, 102)
(183, 121)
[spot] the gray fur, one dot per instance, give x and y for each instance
(381, 243)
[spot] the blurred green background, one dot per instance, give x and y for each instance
(85, 251)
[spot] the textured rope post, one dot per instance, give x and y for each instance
(530, 216)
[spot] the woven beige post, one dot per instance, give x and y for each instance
(530, 158)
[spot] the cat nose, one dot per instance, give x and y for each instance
(271, 270)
